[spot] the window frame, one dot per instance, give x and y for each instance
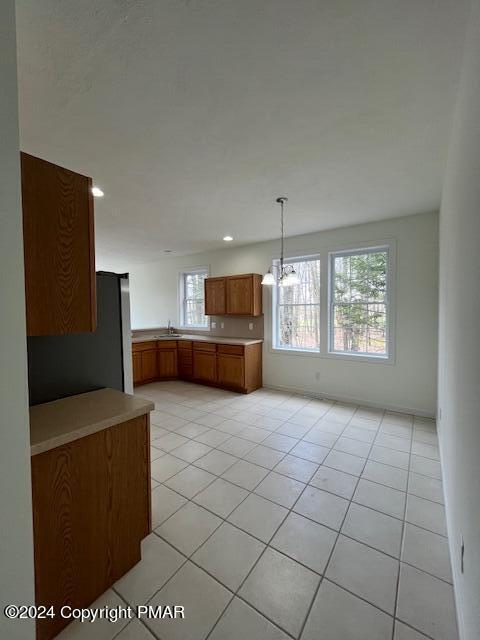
(275, 309)
(389, 357)
(182, 299)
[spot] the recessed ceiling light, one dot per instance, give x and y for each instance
(228, 238)
(97, 192)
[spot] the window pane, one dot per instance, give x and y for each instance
(193, 307)
(194, 313)
(298, 327)
(359, 291)
(308, 291)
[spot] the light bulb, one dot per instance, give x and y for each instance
(268, 279)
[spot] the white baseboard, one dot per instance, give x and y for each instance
(351, 400)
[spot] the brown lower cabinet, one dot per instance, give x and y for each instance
(89, 516)
(236, 367)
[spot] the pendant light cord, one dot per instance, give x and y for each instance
(281, 228)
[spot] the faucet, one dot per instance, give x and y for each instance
(169, 327)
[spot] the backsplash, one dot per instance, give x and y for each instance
(232, 328)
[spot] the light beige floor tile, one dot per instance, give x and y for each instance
(159, 562)
(221, 497)
(402, 632)
(245, 474)
(319, 437)
(357, 433)
(166, 467)
(204, 600)
(191, 430)
(254, 434)
(264, 456)
(379, 497)
(426, 603)
(354, 447)
(190, 481)
(212, 437)
(378, 530)
(170, 441)
(164, 503)
(427, 514)
(188, 528)
(216, 462)
(258, 516)
(236, 446)
(240, 622)
(280, 442)
(385, 474)
(135, 630)
(391, 457)
(191, 451)
(100, 629)
(280, 489)
(365, 572)
(321, 506)
(305, 541)
(427, 551)
(425, 487)
(281, 589)
(342, 484)
(342, 616)
(430, 451)
(311, 452)
(345, 462)
(292, 430)
(425, 467)
(393, 442)
(296, 468)
(228, 555)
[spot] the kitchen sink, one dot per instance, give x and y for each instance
(168, 336)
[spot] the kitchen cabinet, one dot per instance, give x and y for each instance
(204, 362)
(167, 359)
(59, 252)
(91, 510)
(149, 365)
(244, 295)
(236, 367)
(234, 295)
(215, 296)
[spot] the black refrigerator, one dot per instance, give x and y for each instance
(61, 366)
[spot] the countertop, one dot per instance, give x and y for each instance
(62, 421)
(197, 338)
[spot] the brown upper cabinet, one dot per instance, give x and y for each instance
(234, 295)
(215, 297)
(58, 249)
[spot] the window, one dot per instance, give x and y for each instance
(297, 308)
(192, 298)
(359, 309)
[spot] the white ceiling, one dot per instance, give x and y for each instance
(193, 115)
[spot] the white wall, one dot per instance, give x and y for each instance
(408, 384)
(459, 345)
(16, 554)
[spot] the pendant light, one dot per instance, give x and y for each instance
(285, 275)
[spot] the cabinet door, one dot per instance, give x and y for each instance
(244, 295)
(137, 367)
(58, 249)
(149, 365)
(231, 370)
(215, 297)
(185, 363)
(167, 363)
(205, 366)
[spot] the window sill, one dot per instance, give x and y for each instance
(360, 358)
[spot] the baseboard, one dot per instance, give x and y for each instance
(351, 400)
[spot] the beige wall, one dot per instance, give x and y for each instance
(408, 384)
(459, 346)
(16, 552)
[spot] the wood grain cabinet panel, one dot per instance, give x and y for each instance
(137, 367)
(215, 297)
(205, 366)
(89, 516)
(231, 371)
(58, 249)
(244, 295)
(149, 365)
(167, 363)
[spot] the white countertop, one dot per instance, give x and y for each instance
(62, 421)
(147, 337)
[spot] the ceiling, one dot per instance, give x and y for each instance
(193, 115)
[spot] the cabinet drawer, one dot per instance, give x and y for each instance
(166, 344)
(204, 346)
(185, 345)
(144, 346)
(232, 349)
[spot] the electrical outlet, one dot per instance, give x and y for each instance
(222, 325)
(214, 325)
(250, 326)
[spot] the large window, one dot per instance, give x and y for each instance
(359, 307)
(192, 298)
(297, 308)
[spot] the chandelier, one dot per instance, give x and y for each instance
(281, 274)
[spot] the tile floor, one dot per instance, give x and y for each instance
(278, 516)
